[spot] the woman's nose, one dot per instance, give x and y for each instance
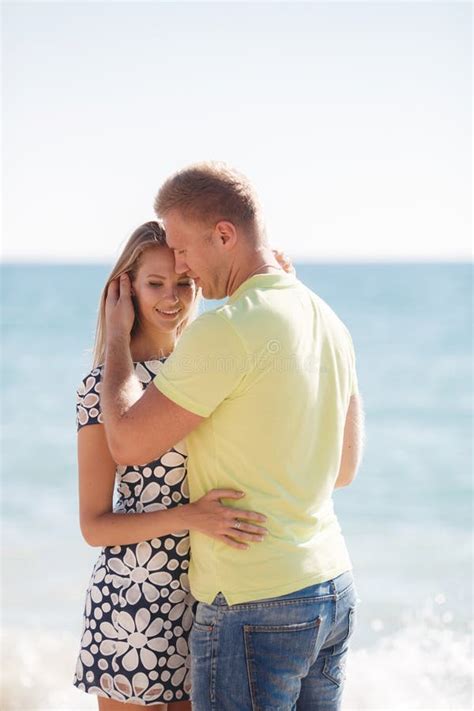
(171, 292)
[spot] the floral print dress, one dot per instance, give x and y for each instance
(138, 608)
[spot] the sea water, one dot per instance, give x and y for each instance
(406, 518)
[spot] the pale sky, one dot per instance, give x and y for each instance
(353, 120)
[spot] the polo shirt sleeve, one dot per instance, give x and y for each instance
(207, 365)
(353, 370)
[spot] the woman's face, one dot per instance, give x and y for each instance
(163, 298)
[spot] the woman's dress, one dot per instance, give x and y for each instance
(138, 608)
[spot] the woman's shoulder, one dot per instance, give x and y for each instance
(93, 378)
(88, 392)
(144, 369)
(88, 399)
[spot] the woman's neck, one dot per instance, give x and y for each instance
(149, 346)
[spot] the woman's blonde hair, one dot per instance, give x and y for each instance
(148, 236)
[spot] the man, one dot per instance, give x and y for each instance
(265, 391)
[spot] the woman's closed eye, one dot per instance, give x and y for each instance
(187, 283)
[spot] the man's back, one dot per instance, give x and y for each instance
(273, 371)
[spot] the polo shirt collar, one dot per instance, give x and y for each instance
(263, 281)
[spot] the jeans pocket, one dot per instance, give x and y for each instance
(278, 657)
(335, 664)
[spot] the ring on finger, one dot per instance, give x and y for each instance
(237, 523)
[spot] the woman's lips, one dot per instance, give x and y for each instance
(169, 315)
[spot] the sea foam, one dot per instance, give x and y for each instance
(423, 665)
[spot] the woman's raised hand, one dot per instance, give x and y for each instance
(119, 309)
(229, 525)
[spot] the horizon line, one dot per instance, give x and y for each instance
(456, 259)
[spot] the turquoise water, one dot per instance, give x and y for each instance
(407, 518)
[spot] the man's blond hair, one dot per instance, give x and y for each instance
(210, 192)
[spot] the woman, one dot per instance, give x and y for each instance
(139, 609)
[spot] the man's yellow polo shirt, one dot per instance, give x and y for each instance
(272, 372)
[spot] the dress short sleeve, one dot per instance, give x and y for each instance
(88, 410)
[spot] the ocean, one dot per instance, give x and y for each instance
(407, 518)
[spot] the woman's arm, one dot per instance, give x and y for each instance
(100, 526)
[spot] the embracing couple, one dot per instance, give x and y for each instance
(209, 448)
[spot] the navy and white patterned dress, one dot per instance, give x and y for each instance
(138, 609)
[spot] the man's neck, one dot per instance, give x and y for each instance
(263, 261)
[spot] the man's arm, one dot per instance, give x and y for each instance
(353, 443)
(139, 427)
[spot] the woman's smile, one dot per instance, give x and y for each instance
(169, 314)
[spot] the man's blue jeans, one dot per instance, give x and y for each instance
(282, 654)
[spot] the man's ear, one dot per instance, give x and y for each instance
(226, 234)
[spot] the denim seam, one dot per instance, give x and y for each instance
(325, 671)
(281, 603)
(327, 674)
(297, 627)
(213, 679)
(250, 670)
(344, 592)
(349, 629)
(350, 626)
